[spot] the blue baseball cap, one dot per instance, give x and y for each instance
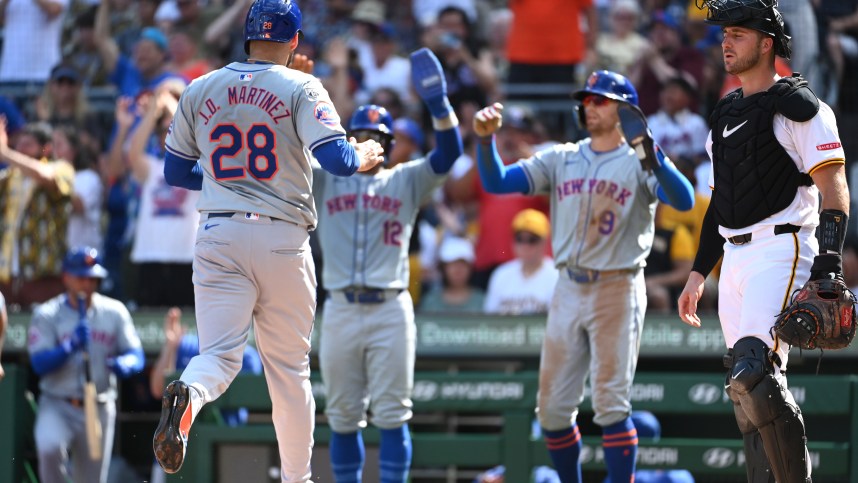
(84, 262)
(154, 35)
(662, 17)
(410, 128)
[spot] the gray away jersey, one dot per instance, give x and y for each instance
(365, 223)
(602, 205)
(252, 127)
(112, 332)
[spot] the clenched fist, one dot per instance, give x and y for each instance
(488, 120)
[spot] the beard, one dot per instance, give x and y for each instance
(743, 64)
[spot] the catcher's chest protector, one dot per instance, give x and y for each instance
(754, 175)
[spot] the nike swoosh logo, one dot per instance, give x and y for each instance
(210, 226)
(737, 374)
(728, 132)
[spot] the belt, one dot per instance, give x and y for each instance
(78, 403)
(745, 238)
(368, 295)
(225, 214)
(590, 276)
(247, 215)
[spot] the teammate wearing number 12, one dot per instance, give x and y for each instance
(603, 202)
(243, 135)
(368, 336)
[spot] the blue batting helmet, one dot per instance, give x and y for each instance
(271, 20)
(608, 84)
(371, 117)
(372, 121)
(84, 262)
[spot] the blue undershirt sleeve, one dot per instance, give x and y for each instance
(496, 177)
(674, 188)
(183, 172)
(48, 360)
(448, 148)
(337, 157)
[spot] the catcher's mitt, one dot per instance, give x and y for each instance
(821, 315)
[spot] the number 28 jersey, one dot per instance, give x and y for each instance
(252, 127)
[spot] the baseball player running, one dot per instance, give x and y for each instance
(368, 334)
(775, 149)
(243, 135)
(57, 338)
(602, 213)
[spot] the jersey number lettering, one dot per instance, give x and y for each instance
(392, 232)
(606, 222)
(260, 143)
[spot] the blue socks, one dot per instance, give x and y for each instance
(347, 456)
(395, 454)
(620, 442)
(564, 447)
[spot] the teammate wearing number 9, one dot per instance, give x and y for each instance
(602, 210)
(243, 135)
(368, 334)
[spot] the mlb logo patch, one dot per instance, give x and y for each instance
(245, 77)
(326, 114)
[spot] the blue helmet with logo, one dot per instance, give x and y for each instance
(84, 262)
(608, 84)
(371, 117)
(371, 121)
(271, 20)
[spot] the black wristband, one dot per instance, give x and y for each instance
(832, 231)
(827, 266)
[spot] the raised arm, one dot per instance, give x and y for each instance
(107, 46)
(44, 174)
(496, 177)
(427, 78)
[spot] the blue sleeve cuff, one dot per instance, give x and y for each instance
(337, 157)
(183, 172)
(448, 148)
(496, 177)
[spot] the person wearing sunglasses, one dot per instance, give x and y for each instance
(368, 336)
(524, 284)
(602, 222)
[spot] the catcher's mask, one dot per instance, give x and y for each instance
(372, 121)
(606, 84)
(759, 15)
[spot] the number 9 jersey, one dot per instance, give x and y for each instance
(261, 122)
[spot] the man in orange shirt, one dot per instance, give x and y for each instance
(546, 41)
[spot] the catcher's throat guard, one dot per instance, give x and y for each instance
(821, 315)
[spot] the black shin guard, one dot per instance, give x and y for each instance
(770, 408)
(756, 463)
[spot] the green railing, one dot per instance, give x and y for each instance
(512, 396)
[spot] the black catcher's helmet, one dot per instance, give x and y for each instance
(760, 15)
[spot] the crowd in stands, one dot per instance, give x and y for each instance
(91, 175)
